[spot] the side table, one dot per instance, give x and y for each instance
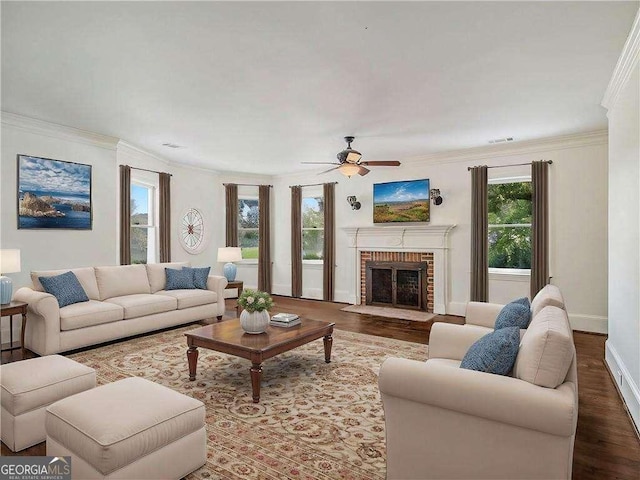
(9, 310)
(239, 284)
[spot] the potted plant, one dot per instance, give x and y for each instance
(255, 316)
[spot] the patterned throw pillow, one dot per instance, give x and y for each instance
(513, 315)
(199, 276)
(178, 279)
(66, 288)
(496, 352)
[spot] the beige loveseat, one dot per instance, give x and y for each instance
(444, 422)
(123, 301)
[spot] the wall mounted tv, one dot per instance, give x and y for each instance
(406, 201)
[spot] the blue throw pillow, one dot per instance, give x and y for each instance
(178, 279)
(199, 276)
(513, 315)
(494, 353)
(523, 301)
(66, 288)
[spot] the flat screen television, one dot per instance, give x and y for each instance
(406, 201)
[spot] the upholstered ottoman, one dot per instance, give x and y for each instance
(28, 387)
(132, 428)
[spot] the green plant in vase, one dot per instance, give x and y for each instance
(254, 318)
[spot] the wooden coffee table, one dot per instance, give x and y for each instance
(228, 337)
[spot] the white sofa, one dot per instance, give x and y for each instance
(445, 422)
(123, 301)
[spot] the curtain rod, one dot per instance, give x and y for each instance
(145, 170)
(514, 164)
(313, 184)
(247, 185)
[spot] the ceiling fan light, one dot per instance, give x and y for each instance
(353, 156)
(349, 169)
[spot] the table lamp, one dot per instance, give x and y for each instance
(9, 263)
(229, 255)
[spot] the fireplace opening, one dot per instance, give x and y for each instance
(396, 284)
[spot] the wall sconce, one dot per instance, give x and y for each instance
(353, 201)
(435, 196)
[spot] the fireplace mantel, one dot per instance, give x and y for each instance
(408, 238)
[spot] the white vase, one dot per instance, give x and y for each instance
(254, 322)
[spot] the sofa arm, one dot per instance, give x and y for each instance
(482, 313)
(493, 397)
(217, 284)
(43, 326)
(448, 340)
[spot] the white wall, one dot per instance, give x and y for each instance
(578, 202)
(57, 249)
(623, 345)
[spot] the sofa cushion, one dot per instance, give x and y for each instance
(157, 275)
(178, 279)
(86, 276)
(513, 315)
(546, 350)
(65, 287)
(549, 295)
(191, 298)
(200, 276)
(494, 353)
(141, 304)
(122, 280)
(89, 313)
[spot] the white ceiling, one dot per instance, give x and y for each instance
(260, 87)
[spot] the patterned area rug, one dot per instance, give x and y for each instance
(314, 420)
(401, 313)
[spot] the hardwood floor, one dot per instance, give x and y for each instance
(606, 444)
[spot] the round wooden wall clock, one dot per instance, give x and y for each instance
(192, 231)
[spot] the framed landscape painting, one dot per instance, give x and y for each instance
(53, 194)
(404, 201)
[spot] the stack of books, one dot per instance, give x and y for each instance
(285, 320)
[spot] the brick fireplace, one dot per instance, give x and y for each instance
(392, 243)
(381, 273)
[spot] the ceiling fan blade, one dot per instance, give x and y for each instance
(330, 170)
(320, 163)
(381, 163)
(363, 171)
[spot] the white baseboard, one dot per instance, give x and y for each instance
(624, 381)
(589, 323)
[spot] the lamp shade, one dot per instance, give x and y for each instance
(229, 254)
(9, 260)
(349, 169)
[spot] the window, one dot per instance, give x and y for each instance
(312, 228)
(143, 224)
(510, 211)
(248, 227)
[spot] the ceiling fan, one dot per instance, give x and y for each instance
(350, 161)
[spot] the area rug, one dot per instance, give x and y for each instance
(400, 313)
(314, 420)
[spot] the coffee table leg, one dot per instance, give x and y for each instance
(256, 378)
(192, 358)
(328, 343)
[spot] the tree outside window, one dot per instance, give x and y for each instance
(143, 225)
(510, 213)
(248, 227)
(312, 228)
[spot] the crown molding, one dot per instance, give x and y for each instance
(598, 137)
(624, 68)
(139, 153)
(54, 130)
